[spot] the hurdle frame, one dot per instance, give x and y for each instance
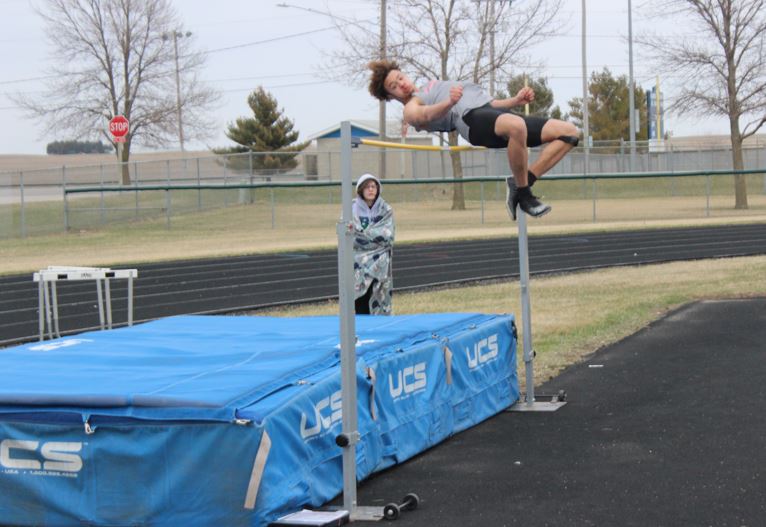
(47, 293)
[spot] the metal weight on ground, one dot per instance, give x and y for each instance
(409, 503)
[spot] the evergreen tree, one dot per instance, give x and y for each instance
(77, 147)
(267, 131)
(609, 108)
(542, 106)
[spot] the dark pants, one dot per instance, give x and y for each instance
(481, 127)
(362, 304)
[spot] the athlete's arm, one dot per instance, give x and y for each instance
(525, 95)
(418, 114)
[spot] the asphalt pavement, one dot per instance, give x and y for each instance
(664, 428)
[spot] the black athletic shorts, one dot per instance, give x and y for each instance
(481, 127)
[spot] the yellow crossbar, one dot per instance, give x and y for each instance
(405, 146)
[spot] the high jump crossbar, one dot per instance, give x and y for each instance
(356, 141)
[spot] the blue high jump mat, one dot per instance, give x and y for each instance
(218, 420)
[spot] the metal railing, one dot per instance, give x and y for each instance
(38, 201)
(592, 195)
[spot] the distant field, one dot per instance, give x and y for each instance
(247, 229)
(26, 162)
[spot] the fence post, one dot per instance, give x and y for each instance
(167, 192)
(493, 157)
(595, 190)
(66, 203)
(329, 174)
(101, 194)
(167, 206)
(622, 155)
(415, 175)
(481, 187)
(135, 183)
(273, 215)
(669, 165)
(225, 196)
(707, 195)
(23, 218)
(757, 163)
(199, 190)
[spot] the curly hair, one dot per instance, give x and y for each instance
(380, 70)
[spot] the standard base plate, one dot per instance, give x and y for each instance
(316, 518)
(367, 514)
(537, 406)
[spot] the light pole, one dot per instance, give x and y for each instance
(631, 90)
(175, 35)
(585, 124)
(382, 104)
(381, 55)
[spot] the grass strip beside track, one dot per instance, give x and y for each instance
(574, 315)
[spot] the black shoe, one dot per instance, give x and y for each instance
(531, 204)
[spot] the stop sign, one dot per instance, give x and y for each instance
(119, 126)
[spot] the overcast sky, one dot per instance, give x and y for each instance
(268, 50)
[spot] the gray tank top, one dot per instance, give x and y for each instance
(474, 96)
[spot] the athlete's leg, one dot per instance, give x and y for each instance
(514, 128)
(552, 133)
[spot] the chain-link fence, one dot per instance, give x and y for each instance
(47, 201)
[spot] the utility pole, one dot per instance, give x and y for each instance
(176, 35)
(585, 124)
(382, 104)
(631, 90)
(492, 48)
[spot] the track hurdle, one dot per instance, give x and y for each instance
(48, 295)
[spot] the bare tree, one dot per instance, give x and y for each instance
(720, 71)
(450, 40)
(115, 58)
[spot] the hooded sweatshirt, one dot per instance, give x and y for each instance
(364, 212)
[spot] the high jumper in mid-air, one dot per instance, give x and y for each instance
(444, 106)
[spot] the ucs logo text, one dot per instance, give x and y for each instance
(408, 380)
(327, 412)
(483, 351)
(32, 455)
